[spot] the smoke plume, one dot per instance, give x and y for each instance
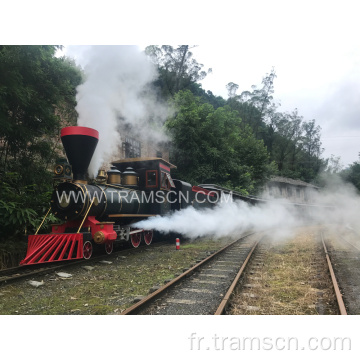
(226, 219)
(337, 203)
(117, 94)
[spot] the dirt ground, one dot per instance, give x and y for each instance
(107, 288)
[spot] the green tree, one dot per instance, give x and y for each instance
(37, 98)
(211, 146)
(293, 144)
(288, 139)
(37, 95)
(178, 69)
(312, 150)
(256, 104)
(352, 173)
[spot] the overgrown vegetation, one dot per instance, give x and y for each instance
(291, 279)
(37, 98)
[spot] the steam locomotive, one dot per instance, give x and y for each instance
(100, 214)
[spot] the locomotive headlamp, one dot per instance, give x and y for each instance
(59, 169)
(64, 202)
(62, 170)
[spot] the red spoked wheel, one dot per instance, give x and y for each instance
(135, 239)
(109, 247)
(87, 250)
(148, 236)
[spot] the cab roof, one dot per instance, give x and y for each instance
(141, 162)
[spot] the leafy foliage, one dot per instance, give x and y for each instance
(351, 174)
(211, 146)
(293, 144)
(37, 95)
(37, 98)
(178, 69)
(22, 206)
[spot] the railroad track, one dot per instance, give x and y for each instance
(348, 242)
(338, 294)
(203, 289)
(23, 272)
(207, 287)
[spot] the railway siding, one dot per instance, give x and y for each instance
(343, 248)
(286, 277)
(203, 290)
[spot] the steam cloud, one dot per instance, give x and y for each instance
(341, 206)
(226, 219)
(117, 93)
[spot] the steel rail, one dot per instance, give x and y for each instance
(15, 277)
(338, 294)
(224, 302)
(147, 299)
(354, 246)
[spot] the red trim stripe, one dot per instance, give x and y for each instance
(79, 130)
(164, 167)
(202, 190)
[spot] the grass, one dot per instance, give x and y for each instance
(108, 288)
(294, 279)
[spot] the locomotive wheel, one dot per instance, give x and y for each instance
(148, 236)
(87, 250)
(109, 246)
(135, 239)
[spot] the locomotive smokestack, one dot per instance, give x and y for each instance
(79, 143)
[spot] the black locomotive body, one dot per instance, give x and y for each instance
(99, 214)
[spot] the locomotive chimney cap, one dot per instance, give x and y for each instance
(79, 130)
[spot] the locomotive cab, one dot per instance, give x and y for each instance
(153, 180)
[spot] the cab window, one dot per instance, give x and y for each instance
(164, 181)
(151, 178)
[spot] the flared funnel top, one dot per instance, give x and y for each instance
(79, 144)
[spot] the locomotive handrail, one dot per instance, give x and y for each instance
(43, 221)
(92, 201)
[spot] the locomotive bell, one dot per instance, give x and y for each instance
(101, 176)
(114, 176)
(130, 177)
